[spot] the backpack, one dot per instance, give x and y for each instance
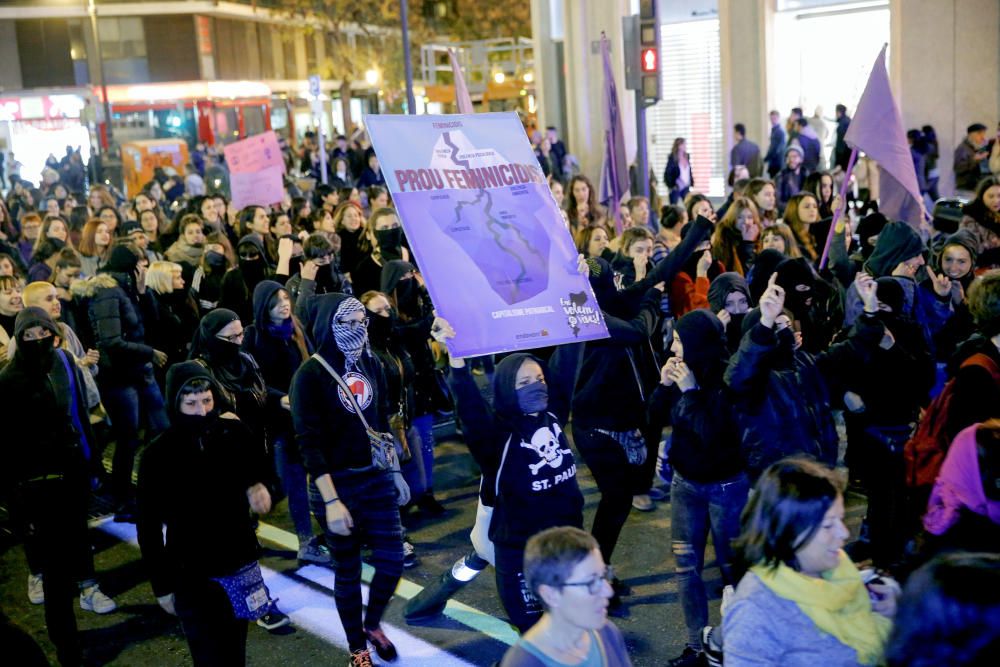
(924, 452)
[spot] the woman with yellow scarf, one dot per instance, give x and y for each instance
(802, 602)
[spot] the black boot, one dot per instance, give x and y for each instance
(432, 600)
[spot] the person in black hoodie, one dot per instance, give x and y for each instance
(815, 304)
(46, 470)
(352, 498)
(239, 283)
(710, 486)
(610, 427)
(781, 392)
(882, 405)
(201, 479)
(407, 293)
(529, 471)
(120, 310)
(242, 389)
(729, 298)
(277, 343)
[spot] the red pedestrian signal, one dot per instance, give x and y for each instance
(649, 60)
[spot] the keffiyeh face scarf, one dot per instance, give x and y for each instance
(351, 337)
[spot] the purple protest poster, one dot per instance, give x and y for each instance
(486, 232)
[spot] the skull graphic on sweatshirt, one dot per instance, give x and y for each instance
(545, 443)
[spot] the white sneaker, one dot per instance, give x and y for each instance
(36, 592)
(92, 599)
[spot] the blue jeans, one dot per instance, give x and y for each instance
(694, 509)
(419, 471)
(293, 482)
(126, 406)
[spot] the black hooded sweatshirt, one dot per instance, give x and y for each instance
(529, 471)
(330, 435)
(239, 282)
(705, 444)
(40, 432)
(718, 292)
(193, 478)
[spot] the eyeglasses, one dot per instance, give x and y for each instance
(595, 585)
(232, 338)
(354, 324)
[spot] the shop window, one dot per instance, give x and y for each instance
(691, 106)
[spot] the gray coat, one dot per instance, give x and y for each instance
(760, 629)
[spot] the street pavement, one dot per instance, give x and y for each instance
(473, 631)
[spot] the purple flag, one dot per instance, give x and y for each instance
(877, 130)
(614, 171)
(462, 98)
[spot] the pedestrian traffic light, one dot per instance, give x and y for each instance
(649, 53)
(649, 63)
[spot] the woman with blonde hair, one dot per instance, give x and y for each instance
(177, 312)
(734, 239)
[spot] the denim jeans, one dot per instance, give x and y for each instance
(694, 509)
(370, 497)
(293, 481)
(419, 471)
(126, 406)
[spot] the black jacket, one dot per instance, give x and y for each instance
(785, 409)
(330, 435)
(705, 442)
(529, 471)
(119, 317)
(194, 481)
(40, 434)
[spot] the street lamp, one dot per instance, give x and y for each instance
(499, 77)
(372, 77)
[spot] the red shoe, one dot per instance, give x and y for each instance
(383, 647)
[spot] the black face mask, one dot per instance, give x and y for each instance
(215, 260)
(390, 243)
(223, 352)
(197, 245)
(37, 354)
(58, 244)
(784, 354)
(254, 270)
(380, 329)
(406, 291)
(734, 331)
(194, 425)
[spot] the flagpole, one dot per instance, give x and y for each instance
(840, 209)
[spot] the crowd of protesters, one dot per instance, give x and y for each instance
(236, 358)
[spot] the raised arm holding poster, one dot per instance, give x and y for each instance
(501, 266)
